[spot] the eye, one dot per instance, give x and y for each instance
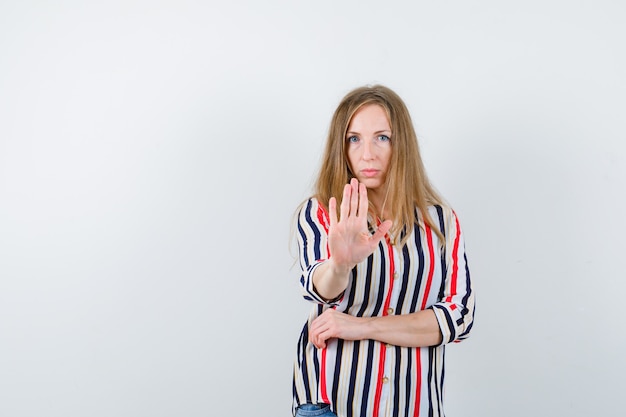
(353, 139)
(384, 138)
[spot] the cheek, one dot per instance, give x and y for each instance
(350, 156)
(387, 158)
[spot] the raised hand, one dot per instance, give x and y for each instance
(349, 238)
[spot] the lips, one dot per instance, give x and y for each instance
(369, 172)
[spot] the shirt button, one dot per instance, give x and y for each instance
(385, 380)
(390, 310)
(395, 275)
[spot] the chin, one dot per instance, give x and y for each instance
(371, 184)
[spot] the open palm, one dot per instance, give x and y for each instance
(349, 238)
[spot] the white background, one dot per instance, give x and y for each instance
(152, 154)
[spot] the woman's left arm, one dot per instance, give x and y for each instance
(455, 308)
(414, 330)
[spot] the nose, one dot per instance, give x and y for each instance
(367, 150)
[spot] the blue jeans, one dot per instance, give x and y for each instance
(314, 410)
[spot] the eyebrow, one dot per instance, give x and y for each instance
(378, 132)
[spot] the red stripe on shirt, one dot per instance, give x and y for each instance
(418, 384)
(323, 389)
(322, 216)
(455, 261)
(379, 382)
(431, 268)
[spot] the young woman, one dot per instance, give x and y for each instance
(383, 262)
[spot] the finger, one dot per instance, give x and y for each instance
(322, 337)
(318, 323)
(315, 341)
(315, 336)
(354, 200)
(381, 231)
(345, 202)
(320, 343)
(363, 201)
(332, 211)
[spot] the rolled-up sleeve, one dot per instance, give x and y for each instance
(455, 308)
(313, 250)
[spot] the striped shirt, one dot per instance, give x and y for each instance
(366, 378)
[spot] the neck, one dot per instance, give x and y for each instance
(381, 205)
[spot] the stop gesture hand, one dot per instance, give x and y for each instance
(349, 238)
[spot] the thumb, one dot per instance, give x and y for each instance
(382, 230)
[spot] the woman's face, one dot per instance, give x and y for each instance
(369, 146)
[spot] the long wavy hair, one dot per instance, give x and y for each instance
(408, 186)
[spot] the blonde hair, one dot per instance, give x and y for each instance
(408, 186)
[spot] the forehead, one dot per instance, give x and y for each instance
(370, 116)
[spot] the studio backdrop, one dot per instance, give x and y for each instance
(152, 154)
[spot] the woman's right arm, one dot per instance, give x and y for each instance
(330, 280)
(348, 242)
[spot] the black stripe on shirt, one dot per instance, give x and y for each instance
(420, 270)
(382, 282)
(337, 372)
(367, 384)
(304, 340)
(444, 269)
(353, 371)
(316, 233)
(405, 281)
(367, 288)
(408, 381)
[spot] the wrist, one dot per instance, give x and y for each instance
(339, 270)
